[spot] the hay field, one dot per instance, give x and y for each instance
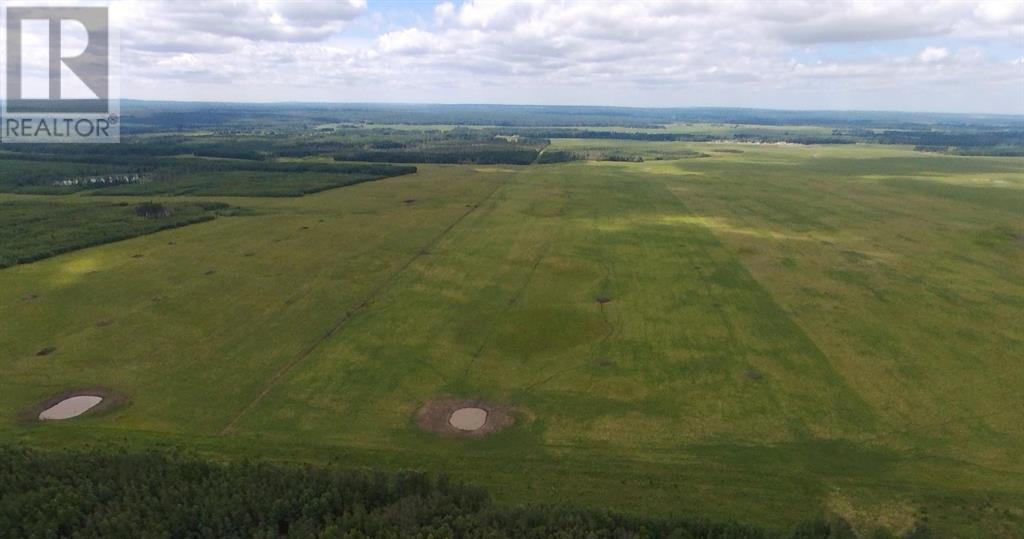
(784, 331)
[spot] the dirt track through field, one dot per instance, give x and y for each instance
(359, 307)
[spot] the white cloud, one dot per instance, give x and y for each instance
(636, 53)
(169, 21)
(933, 54)
(1000, 12)
(444, 11)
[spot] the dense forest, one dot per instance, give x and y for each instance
(151, 494)
(43, 170)
(31, 230)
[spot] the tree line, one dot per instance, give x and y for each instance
(95, 493)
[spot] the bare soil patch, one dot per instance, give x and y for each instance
(70, 407)
(473, 418)
(468, 418)
(109, 400)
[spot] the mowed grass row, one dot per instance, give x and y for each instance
(731, 374)
(908, 273)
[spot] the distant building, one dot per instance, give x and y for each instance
(107, 179)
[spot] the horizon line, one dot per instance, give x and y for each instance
(529, 105)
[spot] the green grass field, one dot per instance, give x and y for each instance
(792, 331)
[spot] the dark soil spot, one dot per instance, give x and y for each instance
(753, 374)
(409, 201)
(435, 416)
(250, 253)
(170, 243)
(209, 272)
(305, 228)
(603, 299)
(46, 351)
(136, 256)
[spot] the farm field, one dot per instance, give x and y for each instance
(765, 334)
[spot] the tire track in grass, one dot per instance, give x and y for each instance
(610, 328)
(516, 297)
(373, 294)
(813, 351)
(590, 359)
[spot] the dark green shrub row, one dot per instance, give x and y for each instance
(34, 230)
(152, 494)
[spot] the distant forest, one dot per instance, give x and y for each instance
(296, 149)
(973, 134)
(165, 114)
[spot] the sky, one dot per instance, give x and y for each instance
(944, 56)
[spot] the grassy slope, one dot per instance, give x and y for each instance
(875, 307)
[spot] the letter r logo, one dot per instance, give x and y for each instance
(92, 66)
